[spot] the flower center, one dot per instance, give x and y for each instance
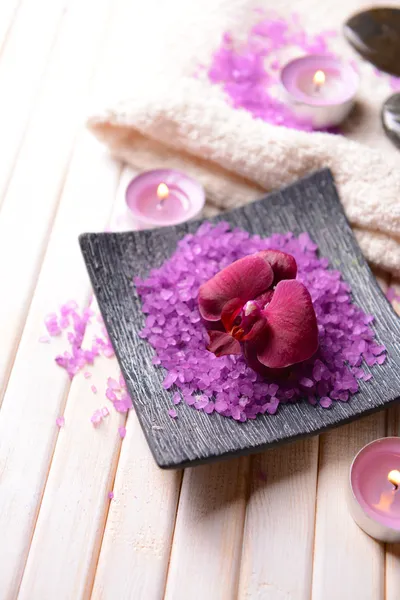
(245, 320)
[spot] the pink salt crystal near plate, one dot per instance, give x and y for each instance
(190, 436)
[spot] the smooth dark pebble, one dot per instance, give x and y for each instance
(375, 34)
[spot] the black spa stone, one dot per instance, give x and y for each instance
(375, 34)
(114, 259)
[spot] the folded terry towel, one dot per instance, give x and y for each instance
(172, 118)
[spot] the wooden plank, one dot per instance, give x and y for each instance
(22, 66)
(348, 563)
(37, 389)
(33, 194)
(279, 530)
(137, 539)
(206, 551)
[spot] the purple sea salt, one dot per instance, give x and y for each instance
(226, 384)
(75, 323)
(60, 422)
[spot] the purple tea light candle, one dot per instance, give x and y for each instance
(164, 197)
(320, 89)
(374, 495)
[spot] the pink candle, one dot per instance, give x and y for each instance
(374, 489)
(164, 197)
(320, 89)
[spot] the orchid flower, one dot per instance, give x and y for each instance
(255, 306)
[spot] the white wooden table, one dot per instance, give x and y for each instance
(273, 527)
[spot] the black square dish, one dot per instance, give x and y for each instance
(114, 259)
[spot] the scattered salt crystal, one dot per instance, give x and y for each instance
(96, 417)
(325, 402)
(306, 382)
(172, 413)
(110, 495)
(94, 389)
(87, 375)
(60, 422)
(272, 406)
(44, 339)
(272, 389)
(209, 408)
(105, 412)
(122, 432)
(170, 379)
(113, 384)
(110, 395)
(236, 412)
(176, 398)
(378, 350)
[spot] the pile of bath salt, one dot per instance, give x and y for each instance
(227, 385)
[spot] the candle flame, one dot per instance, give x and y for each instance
(162, 191)
(394, 478)
(319, 78)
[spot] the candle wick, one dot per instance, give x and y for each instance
(319, 80)
(162, 193)
(161, 202)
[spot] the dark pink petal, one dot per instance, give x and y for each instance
(222, 344)
(283, 265)
(265, 298)
(256, 330)
(292, 334)
(250, 354)
(246, 279)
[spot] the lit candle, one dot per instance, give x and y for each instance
(320, 89)
(374, 494)
(164, 197)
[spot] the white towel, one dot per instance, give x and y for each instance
(167, 117)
